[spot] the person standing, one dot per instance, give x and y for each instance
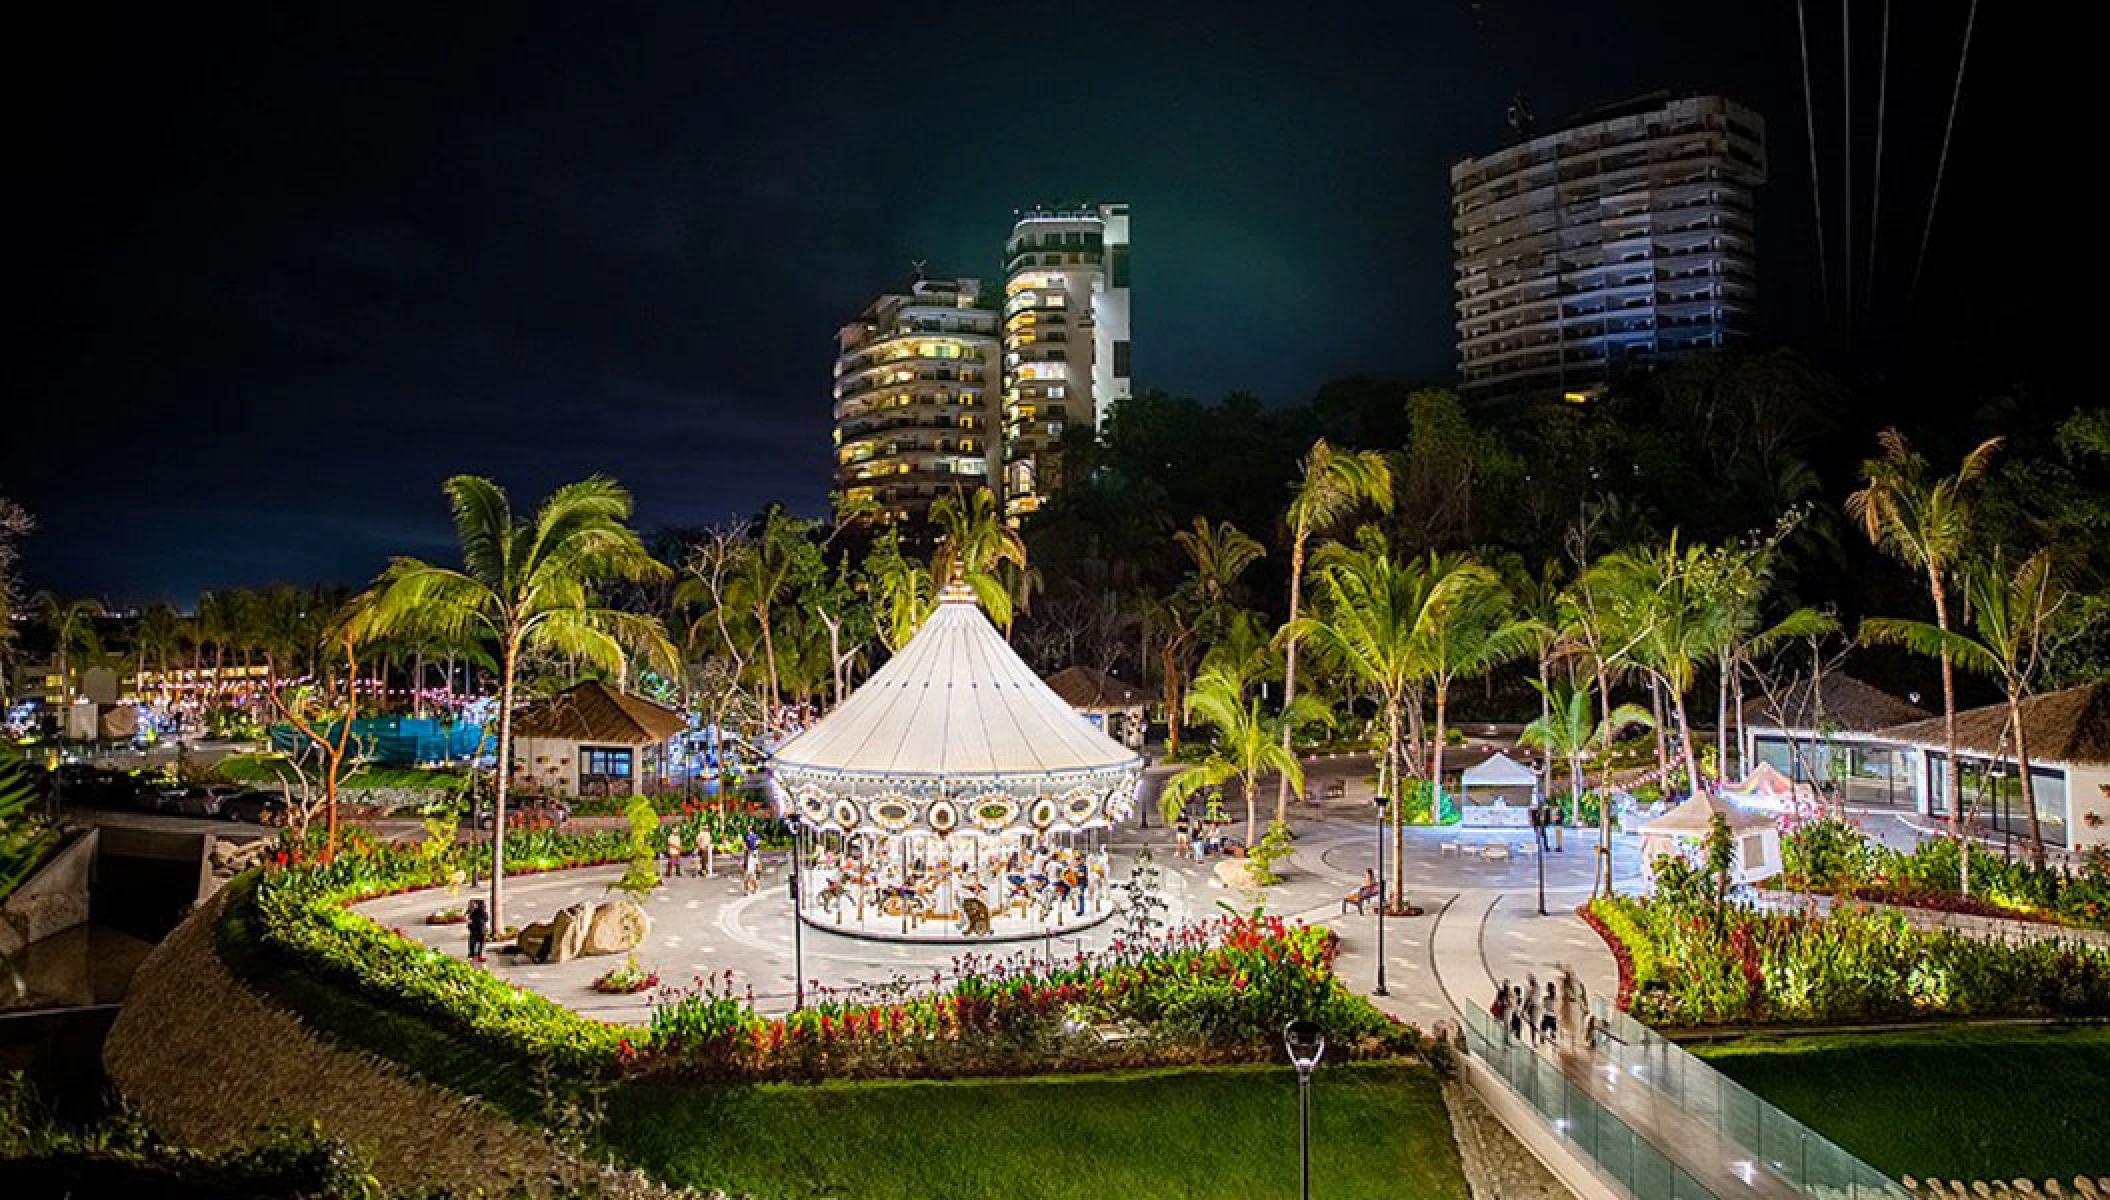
(1549, 1016)
(751, 862)
(706, 851)
(479, 928)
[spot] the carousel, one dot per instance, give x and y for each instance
(954, 797)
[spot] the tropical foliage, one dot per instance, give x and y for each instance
(1696, 965)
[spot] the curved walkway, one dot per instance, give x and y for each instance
(1481, 923)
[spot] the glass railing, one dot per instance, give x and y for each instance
(1788, 1149)
(1594, 1132)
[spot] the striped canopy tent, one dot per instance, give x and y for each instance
(954, 731)
(953, 775)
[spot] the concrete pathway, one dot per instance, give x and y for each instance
(1480, 923)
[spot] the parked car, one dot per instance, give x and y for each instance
(257, 806)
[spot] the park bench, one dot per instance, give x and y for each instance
(1361, 896)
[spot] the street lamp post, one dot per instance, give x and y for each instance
(798, 939)
(1538, 846)
(1381, 900)
(1306, 1043)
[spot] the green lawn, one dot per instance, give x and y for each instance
(1985, 1102)
(1377, 1131)
(260, 768)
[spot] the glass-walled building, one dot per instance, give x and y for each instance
(1905, 766)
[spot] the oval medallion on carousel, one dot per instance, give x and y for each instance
(813, 805)
(992, 812)
(892, 812)
(1042, 816)
(1080, 807)
(846, 815)
(943, 817)
(1120, 804)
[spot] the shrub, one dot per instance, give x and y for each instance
(1852, 963)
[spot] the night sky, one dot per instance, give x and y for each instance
(285, 271)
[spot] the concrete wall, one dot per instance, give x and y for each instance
(54, 899)
(2088, 796)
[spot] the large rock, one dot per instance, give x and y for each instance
(568, 932)
(619, 927)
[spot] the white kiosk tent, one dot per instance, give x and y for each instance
(954, 796)
(1683, 831)
(1498, 776)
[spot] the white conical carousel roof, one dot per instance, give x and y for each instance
(955, 702)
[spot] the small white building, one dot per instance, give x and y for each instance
(1683, 832)
(1117, 708)
(593, 740)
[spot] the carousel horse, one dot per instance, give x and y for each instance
(832, 893)
(974, 916)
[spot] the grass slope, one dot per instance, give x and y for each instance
(1985, 1102)
(1379, 1130)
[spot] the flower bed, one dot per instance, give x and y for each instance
(1219, 991)
(626, 980)
(1697, 967)
(1825, 854)
(1215, 992)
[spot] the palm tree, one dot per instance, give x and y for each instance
(1569, 728)
(1172, 621)
(157, 634)
(1220, 554)
(1372, 611)
(1740, 577)
(1925, 523)
(1331, 485)
(71, 624)
(527, 586)
(1677, 619)
(763, 575)
(1247, 651)
(904, 594)
(973, 545)
(2011, 614)
(1468, 631)
(1246, 746)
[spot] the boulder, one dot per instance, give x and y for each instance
(618, 927)
(568, 930)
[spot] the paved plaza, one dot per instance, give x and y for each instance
(1480, 921)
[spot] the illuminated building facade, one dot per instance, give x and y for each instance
(1066, 339)
(1608, 247)
(915, 383)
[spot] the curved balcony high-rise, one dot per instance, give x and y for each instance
(1608, 247)
(1066, 339)
(915, 381)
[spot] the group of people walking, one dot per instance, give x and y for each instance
(1544, 1014)
(677, 857)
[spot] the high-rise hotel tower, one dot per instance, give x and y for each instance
(1066, 330)
(1607, 247)
(916, 379)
